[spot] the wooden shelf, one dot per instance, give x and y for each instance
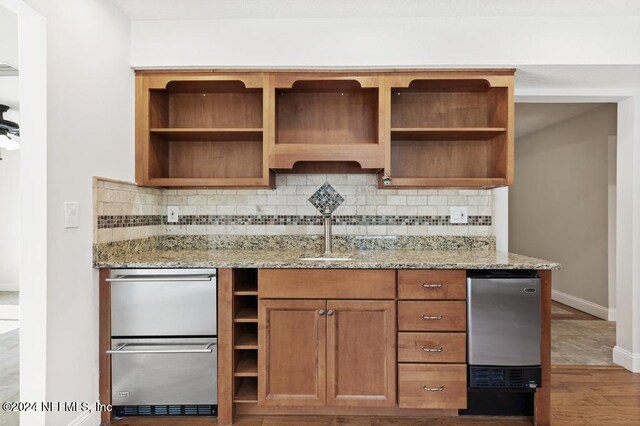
(246, 314)
(247, 365)
(458, 133)
(246, 340)
(209, 134)
(247, 391)
(416, 182)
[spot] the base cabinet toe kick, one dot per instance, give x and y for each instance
(376, 342)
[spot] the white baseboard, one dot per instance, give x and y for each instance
(581, 304)
(9, 312)
(612, 314)
(626, 359)
(86, 418)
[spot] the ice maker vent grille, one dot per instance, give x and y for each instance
(166, 410)
(497, 378)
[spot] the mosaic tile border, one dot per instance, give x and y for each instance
(128, 221)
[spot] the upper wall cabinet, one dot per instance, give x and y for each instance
(449, 129)
(201, 130)
(435, 128)
(326, 118)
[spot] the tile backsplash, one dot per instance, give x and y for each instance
(126, 211)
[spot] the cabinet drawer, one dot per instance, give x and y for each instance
(432, 386)
(327, 283)
(432, 316)
(450, 285)
(432, 347)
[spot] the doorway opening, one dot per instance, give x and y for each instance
(563, 207)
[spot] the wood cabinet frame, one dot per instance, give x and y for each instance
(495, 145)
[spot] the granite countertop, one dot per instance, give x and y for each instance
(360, 259)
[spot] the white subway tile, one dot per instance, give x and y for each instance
(286, 210)
(356, 179)
(267, 210)
(457, 230)
(478, 200)
(397, 200)
(397, 230)
(256, 229)
(367, 210)
(376, 200)
(437, 200)
(437, 230)
(297, 200)
(256, 200)
(427, 210)
(276, 200)
(247, 210)
(227, 210)
(407, 210)
(316, 180)
(387, 210)
(485, 210)
(276, 230)
(457, 200)
(293, 180)
(417, 200)
(377, 230)
(207, 210)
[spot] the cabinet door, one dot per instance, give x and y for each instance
(292, 352)
(361, 353)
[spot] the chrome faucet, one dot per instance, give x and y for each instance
(328, 222)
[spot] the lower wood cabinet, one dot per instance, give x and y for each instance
(292, 344)
(325, 352)
(432, 386)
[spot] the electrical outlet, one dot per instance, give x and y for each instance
(172, 214)
(458, 215)
(71, 214)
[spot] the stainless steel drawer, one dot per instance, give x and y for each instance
(164, 371)
(156, 302)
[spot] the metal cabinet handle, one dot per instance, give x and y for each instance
(161, 279)
(427, 285)
(436, 317)
(330, 312)
(120, 351)
(426, 349)
(428, 389)
(321, 312)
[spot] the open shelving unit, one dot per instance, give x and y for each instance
(245, 335)
(450, 132)
(201, 131)
(326, 119)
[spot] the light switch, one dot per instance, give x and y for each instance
(458, 215)
(172, 214)
(71, 214)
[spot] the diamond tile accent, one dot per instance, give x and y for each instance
(326, 198)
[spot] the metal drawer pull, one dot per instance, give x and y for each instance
(205, 350)
(160, 279)
(424, 348)
(427, 317)
(427, 285)
(428, 389)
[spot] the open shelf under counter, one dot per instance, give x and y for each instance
(246, 390)
(247, 365)
(445, 133)
(247, 314)
(209, 134)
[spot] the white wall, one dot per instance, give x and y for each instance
(9, 220)
(389, 42)
(559, 203)
(8, 37)
(10, 165)
(89, 132)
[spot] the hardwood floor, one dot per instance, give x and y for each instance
(579, 396)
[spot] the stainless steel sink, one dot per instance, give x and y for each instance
(328, 259)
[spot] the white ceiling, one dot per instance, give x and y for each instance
(229, 9)
(533, 117)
